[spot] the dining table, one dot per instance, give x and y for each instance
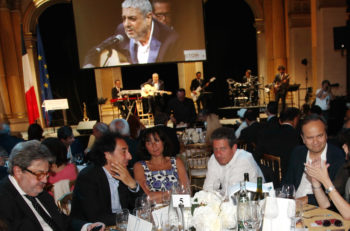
(313, 217)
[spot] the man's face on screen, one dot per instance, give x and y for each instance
(136, 25)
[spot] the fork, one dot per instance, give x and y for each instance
(320, 215)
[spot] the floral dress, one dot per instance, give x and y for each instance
(161, 180)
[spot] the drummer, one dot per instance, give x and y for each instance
(250, 83)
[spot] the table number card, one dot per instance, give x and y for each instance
(184, 199)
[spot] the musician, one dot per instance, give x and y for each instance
(251, 83)
(115, 95)
(196, 88)
(155, 100)
(281, 84)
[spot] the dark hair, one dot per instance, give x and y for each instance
(315, 109)
(24, 153)
(272, 107)
(160, 118)
(281, 67)
(198, 72)
(181, 90)
(249, 71)
(106, 143)
(135, 126)
(289, 114)
(167, 144)
(344, 137)
(64, 132)
(311, 118)
(326, 81)
(58, 149)
(250, 115)
(35, 132)
(224, 133)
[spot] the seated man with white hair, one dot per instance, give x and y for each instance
(121, 126)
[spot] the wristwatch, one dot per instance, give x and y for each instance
(330, 189)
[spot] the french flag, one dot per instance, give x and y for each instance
(32, 105)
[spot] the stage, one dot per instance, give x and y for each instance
(231, 111)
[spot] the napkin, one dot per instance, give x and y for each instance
(278, 213)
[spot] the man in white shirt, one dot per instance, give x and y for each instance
(228, 164)
(25, 205)
(324, 96)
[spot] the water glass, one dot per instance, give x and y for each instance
(122, 217)
(289, 191)
(252, 218)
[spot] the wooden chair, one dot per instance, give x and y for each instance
(273, 163)
(145, 118)
(64, 203)
(197, 165)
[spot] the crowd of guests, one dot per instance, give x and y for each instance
(126, 160)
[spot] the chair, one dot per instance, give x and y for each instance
(64, 203)
(146, 118)
(197, 167)
(271, 162)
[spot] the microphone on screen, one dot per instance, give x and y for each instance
(110, 41)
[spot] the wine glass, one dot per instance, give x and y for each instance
(79, 158)
(289, 191)
(271, 210)
(252, 218)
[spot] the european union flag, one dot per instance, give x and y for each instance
(45, 86)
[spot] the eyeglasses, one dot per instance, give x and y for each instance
(326, 223)
(39, 175)
(163, 15)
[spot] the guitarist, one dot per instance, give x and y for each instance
(281, 84)
(154, 99)
(198, 83)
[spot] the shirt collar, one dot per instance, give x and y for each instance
(109, 176)
(149, 40)
(323, 154)
(16, 185)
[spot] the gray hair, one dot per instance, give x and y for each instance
(224, 133)
(120, 126)
(101, 127)
(143, 5)
(24, 153)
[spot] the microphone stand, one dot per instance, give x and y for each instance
(108, 56)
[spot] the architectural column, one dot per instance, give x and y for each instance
(13, 79)
(314, 55)
(105, 78)
(278, 34)
(269, 57)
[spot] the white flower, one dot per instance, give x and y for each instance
(213, 213)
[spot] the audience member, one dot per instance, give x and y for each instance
(316, 148)
(161, 120)
(135, 126)
(212, 123)
(241, 113)
(157, 172)
(324, 96)
(280, 141)
(22, 195)
(98, 130)
(249, 135)
(3, 158)
(121, 126)
(7, 141)
(61, 169)
(105, 186)
(65, 135)
(316, 110)
(228, 164)
(271, 112)
(35, 132)
(162, 12)
(181, 109)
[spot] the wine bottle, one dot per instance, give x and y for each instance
(259, 195)
(242, 205)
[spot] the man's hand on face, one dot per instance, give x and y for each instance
(121, 173)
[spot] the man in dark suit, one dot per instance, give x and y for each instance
(144, 40)
(281, 140)
(115, 95)
(149, 90)
(249, 135)
(316, 148)
(271, 112)
(105, 186)
(198, 83)
(24, 203)
(281, 84)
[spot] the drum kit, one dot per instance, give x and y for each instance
(244, 94)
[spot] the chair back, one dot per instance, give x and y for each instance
(272, 165)
(64, 203)
(197, 165)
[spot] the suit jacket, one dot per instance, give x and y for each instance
(92, 196)
(279, 142)
(115, 92)
(250, 136)
(195, 83)
(335, 157)
(164, 47)
(19, 216)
